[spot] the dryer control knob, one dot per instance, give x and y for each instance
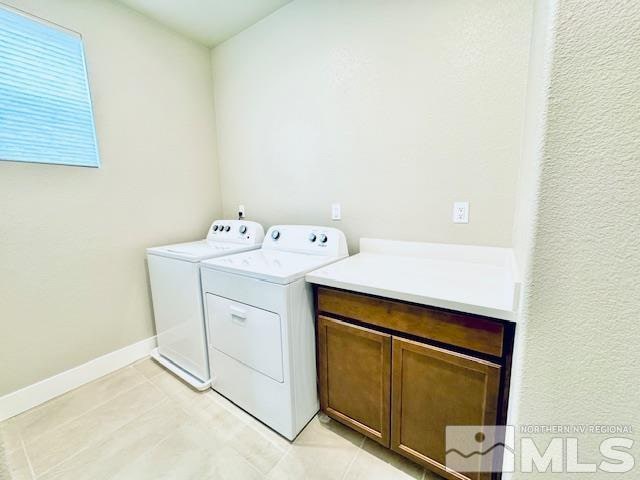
(323, 238)
(275, 234)
(215, 228)
(243, 229)
(312, 237)
(227, 228)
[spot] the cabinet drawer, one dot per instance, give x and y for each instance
(458, 329)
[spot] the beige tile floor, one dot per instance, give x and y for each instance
(143, 423)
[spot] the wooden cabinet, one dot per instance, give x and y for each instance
(355, 376)
(461, 330)
(401, 373)
(433, 388)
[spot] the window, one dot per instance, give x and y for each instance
(45, 106)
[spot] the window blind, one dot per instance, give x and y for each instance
(45, 106)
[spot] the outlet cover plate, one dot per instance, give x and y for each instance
(461, 212)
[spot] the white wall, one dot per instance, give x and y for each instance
(393, 108)
(582, 301)
(73, 280)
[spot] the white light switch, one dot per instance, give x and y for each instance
(336, 213)
(461, 212)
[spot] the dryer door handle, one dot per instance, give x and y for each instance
(238, 313)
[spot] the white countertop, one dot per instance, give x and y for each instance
(479, 280)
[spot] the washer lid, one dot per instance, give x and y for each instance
(270, 265)
(200, 250)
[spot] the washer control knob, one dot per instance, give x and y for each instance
(215, 228)
(243, 229)
(275, 234)
(227, 228)
(312, 237)
(323, 238)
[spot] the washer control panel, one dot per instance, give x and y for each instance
(314, 240)
(236, 231)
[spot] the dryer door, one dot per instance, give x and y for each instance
(250, 335)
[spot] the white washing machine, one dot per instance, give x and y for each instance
(174, 273)
(261, 336)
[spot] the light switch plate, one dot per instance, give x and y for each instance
(336, 211)
(461, 212)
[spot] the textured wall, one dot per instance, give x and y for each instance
(581, 358)
(533, 147)
(73, 280)
(394, 108)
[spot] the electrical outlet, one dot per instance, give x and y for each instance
(461, 212)
(336, 213)
(241, 211)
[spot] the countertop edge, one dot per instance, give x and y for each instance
(506, 315)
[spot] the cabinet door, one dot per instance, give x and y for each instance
(355, 377)
(433, 388)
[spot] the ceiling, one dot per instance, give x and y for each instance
(207, 21)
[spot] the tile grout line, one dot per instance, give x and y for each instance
(97, 405)
(178, 401)
(162, 371)
(156, 387)
(284, 453)
(353, 460)
(278, 462)
(86, 412)
(252, 466)
(76, 453)
(213, 401)
(244, 416)
(154, 446)
(26, 456)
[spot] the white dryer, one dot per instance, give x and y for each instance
(174, 274)
(261, 335)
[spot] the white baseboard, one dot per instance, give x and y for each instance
(33, 395)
